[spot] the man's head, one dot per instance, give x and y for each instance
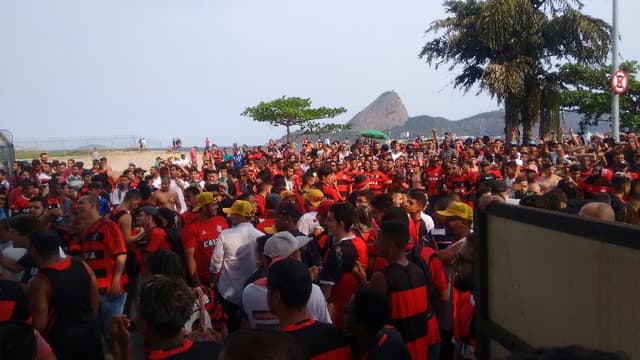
(44, 245)
(416, 201)
(241, 211)
(366, 314)
(123, 182)
(458, 219)
(598, 211)
(37, 206)
(621, 183)
(287, 216)
(535, 189)
(206, 204)
(165, 183)
(288, 286)
(339, 218)
(132, 198)
(284, 245)
(88, 206)
(393, 236)
(380, 205)
(165, 304)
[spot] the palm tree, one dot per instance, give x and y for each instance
(509, 48)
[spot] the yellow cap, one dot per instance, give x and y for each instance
(458, 209)
(202, 199)
(314, 197)
(239, 207)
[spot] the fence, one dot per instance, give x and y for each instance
(69, 144)
(548, 279)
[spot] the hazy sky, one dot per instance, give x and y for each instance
(164, 68)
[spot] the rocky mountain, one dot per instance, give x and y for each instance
(385, 112)
(388, 114)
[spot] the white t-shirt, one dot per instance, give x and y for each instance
(256, 308)
(428, 221)
(308, 222)
(13, 254)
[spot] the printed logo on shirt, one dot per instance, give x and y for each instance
(208, 243)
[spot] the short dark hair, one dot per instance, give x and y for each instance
(45, 242)
(167, 263)
(36, 199)
(555, 197)
(24, 224)
(395, 224)
(290, 209)
(193, 190)
(343, 212)
(96, 185)
(165, 304)
(132, 194)
(291, 279)
(325, 171)
(418, 195)
(382, 202)
(261, 344)
(371, 309)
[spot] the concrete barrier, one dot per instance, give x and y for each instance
(548, 279)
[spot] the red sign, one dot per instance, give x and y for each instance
(620, 82)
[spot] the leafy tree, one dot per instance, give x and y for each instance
(294, 111)
(588, 92)
(508, 48)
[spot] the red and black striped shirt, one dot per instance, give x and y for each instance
(407, 291)
(320, 341)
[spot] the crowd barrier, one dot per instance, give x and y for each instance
(548, 279)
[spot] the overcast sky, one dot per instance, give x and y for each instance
(164, 68)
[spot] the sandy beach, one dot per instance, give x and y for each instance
(119, 159)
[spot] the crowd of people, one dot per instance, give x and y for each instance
(327, 250)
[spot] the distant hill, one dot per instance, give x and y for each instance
(388, 114)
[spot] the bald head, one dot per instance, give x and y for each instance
(598, 210)
(536, 189)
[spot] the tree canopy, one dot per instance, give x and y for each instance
(509, 48)
(588, 92)
(295, 111)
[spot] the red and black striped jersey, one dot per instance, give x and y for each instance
(319, 341)
(407, 291)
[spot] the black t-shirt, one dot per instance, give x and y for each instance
(342, 258)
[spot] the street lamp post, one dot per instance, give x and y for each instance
(615, 101)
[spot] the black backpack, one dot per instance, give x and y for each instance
(415, 256)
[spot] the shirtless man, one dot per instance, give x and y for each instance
(166, 198)
(548, 180)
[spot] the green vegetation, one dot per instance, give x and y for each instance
(588, 92)
(294, 111)
(509, 48)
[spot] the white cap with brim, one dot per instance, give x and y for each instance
(283, 244)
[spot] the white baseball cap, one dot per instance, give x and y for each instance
(283, 244)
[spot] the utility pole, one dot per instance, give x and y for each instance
(615, 100)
